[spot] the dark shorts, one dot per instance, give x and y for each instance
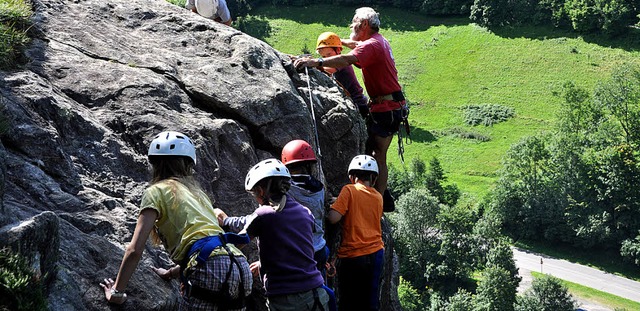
(384, 124)
(359, 282)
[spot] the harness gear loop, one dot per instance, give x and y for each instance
(315, 125)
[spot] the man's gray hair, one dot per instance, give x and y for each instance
(368, 14)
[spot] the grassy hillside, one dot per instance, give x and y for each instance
(444, 64)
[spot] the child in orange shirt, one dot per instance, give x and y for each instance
(361, 251)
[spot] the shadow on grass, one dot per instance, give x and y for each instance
(254, 26)
(421, 135)
(340, 16)
(629, 42)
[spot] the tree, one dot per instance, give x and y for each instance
(631, 249)
(546, 293)
(496, 291)
(457, 249)
(527, 197)
(417, 237)
(609, 16)
(461, 301)
(502, 256)
(434, 180)
(410, 299)
(621, 96)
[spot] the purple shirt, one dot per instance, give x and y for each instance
(347, 78)
(286, 248)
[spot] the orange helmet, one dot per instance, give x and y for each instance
(297, 151)
(328, 40)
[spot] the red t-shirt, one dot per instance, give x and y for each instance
(378, 66)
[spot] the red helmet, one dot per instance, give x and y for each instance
(297, 151)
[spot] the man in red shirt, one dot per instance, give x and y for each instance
(372, 53)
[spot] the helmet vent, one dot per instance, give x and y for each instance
(158, 146)
(173, 146)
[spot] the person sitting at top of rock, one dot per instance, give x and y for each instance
(175, 210)
(329, 44)
(216, 10)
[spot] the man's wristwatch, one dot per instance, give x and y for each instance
(320, 62)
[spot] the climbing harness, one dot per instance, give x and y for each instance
(200, 252)
(315, 125)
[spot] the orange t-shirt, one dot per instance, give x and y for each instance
(361, 210)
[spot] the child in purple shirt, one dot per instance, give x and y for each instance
(284, 229)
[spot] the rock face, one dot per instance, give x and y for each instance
(106, 75)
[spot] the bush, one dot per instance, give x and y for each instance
(446, 7)
(496, 291)
(609, 16)
(631, 250)
(546, 293)
(14, 23)
(20, 289)
(487, 114)
(410, 299)
(461, 301)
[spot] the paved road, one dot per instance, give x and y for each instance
(576, 273)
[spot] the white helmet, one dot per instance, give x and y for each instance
(265, 168)
(207, 8)
(363, 163)
(170, 143)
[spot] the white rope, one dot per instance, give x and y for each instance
(315, 125)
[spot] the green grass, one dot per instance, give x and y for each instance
(607, 261)
(14, 24)
(447, 63)
(596, 296)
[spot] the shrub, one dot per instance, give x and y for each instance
(609, 16)
(461, 301)
(487, 114)
(497, 290)
(631, 250)
(410, 299)
(14, 23)
(463, 134)
(20, 289)
(546, 293)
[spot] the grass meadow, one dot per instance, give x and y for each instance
(447, 63)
